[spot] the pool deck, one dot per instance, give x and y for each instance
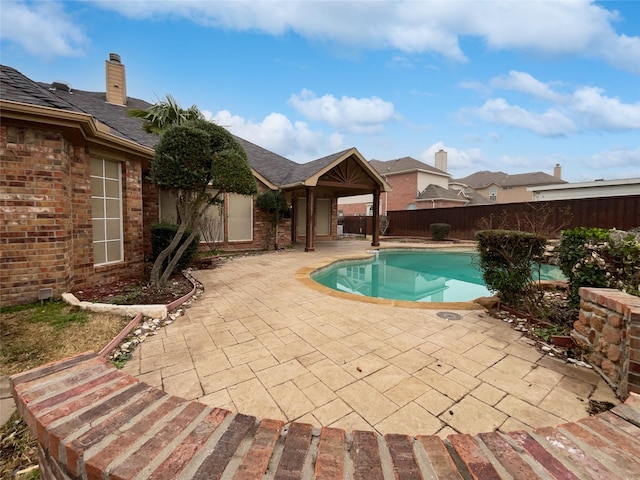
(263, 340)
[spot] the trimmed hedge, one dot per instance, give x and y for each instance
(439, 231)
(507, 259)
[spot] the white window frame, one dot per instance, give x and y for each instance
(104, 218)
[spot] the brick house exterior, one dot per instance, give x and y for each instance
(77, 205)
(46, 204)
(415, 185)
(500, 187)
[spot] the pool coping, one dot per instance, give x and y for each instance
(303, 275)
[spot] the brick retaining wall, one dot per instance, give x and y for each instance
(609, 330)
(95, 422)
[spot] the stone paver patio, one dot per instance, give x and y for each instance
(260, 342)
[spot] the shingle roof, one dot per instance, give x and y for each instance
(402, 165)
(477, 199)
(18, 88)
(271, 166)
(15, 87)
(436, 192)
(485, 178)
(115, 116)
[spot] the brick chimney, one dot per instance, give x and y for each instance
(441, 160)
(116, 80)
(557, 171)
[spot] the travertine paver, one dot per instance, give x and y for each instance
(260, 342)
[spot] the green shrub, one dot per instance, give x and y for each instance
(597, 257)
(573, 250)
(439, 231)
(161, 236)
(507, 259)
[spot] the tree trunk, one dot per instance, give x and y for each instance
(191, 212)
(176, 258)
(156, 270)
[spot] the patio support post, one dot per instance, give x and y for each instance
(294, 220)
(375, 237)
(311, 219)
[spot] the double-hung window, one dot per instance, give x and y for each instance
(106, 211)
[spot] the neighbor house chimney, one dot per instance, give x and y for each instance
(557, 171)
(441, 160)
(116, 81)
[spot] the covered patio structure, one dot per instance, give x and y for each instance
(314, 188)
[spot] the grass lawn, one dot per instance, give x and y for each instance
(36, 334)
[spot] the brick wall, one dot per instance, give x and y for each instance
(95, 422)
(405, 190)
(150, 213)
(45, 208)
(609, 330)
(351, 209)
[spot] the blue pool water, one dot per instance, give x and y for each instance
(417, 276)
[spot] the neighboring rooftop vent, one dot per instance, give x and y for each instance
(63, 87)
(116, 80)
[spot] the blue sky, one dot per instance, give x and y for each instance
(511, 86)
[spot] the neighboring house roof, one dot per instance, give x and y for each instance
(592, 184)
(593, 189)
(477, 199)
(485, 178)
(404, 165)
(436, 192)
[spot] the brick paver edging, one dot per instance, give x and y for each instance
(93, 421)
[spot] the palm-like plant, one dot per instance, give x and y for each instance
(165, 113)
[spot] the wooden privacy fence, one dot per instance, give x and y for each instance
(547, 218)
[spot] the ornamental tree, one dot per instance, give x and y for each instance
(199, 162)
(165, 113)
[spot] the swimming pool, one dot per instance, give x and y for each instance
(412, 275)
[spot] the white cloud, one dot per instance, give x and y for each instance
(42, 29)
(601, 112)
(619, 158)
(513, 161)
(550, 123)
(587, 108)
(561, 28)
(479, 87)
(457, 160)
(359, 115)
(277, 133)
(526, 83)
